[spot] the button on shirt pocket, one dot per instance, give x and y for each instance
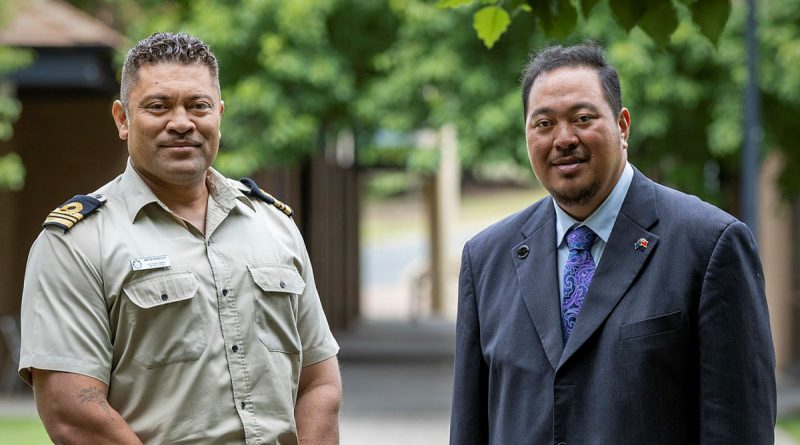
(277, 289)
(166, 317)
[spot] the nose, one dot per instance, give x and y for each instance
(565, 137)
(180, 122)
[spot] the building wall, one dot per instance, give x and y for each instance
(69, 145)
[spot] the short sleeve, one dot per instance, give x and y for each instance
(64, 317)
(317, 340)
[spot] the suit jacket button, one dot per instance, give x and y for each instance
(522, 251)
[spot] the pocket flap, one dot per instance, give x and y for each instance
(277, 278)
(162, 289)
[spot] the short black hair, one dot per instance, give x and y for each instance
(163, 47)
(589, 55)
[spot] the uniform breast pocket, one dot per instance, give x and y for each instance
(277, 289)
(167, 319)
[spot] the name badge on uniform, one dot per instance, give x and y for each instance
(150, 262)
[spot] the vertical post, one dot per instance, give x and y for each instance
(442, 194)
(752, 126)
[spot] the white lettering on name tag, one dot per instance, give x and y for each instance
(150, 262)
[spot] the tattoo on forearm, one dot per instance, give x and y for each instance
(92, 394)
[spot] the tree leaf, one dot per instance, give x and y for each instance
(445, 4)
(514, 5)
(560, 24)
(628, 12)
(711, 17)
(490, 23)
(660, 21)
(588, 5)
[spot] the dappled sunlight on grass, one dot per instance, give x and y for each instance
(22, 431)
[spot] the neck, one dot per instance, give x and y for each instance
(188, 201)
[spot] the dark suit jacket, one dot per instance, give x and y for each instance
(672, 345)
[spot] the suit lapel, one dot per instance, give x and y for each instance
(538, 279)
(621, 262)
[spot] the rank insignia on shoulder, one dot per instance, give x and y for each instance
(259, 193)
(74, 210)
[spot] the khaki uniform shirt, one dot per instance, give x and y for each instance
(200, 337)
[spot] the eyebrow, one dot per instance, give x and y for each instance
(573, 108)
(165, 97)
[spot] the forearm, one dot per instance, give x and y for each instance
(78, 412)
(318, 400)
(317, 416)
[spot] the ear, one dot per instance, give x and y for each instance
(121, 119)
(624, 122)
(221, 112)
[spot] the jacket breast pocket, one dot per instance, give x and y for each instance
(167, 319)
(651, 326)
(278, 288)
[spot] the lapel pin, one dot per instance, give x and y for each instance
(522, 251)
(641, 244)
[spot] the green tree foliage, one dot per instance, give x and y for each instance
(559, 18)
(291, 72)
(12, 172)
(295, 71)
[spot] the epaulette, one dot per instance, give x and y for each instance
(74, 210)
(264, 196)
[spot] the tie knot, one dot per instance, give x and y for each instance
(580, 238)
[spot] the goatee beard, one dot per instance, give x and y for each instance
(575, 197)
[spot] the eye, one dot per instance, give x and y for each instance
(202, 106)
(543, 123)
(156, 106)
(584, 118)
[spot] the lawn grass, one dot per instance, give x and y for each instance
(387, 218)
(22, 431)
(791, 426)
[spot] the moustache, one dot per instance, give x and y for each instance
(569, 157)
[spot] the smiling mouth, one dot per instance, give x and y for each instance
(568, 161)
(180, 144)
(569, 164)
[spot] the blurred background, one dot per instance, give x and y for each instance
(395, 130)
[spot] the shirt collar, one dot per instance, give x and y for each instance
(137, 194)
(601, 221)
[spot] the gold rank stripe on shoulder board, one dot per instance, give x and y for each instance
(279, 205)
(74, 210)
(259, 193)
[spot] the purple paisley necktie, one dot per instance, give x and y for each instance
(578, 272)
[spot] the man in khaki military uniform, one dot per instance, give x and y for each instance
(174, 304)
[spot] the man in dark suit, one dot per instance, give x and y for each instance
(615, 311)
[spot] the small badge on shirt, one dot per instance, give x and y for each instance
(150, 262)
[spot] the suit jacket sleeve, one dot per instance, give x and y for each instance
(737, 361)
(468, 423)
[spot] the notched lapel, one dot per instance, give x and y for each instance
(538, 281)
(623, 259)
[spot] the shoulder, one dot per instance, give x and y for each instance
(251, 189)
(682, 209)
(81, 211)
(74, 210)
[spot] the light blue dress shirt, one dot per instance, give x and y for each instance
(601, 221)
